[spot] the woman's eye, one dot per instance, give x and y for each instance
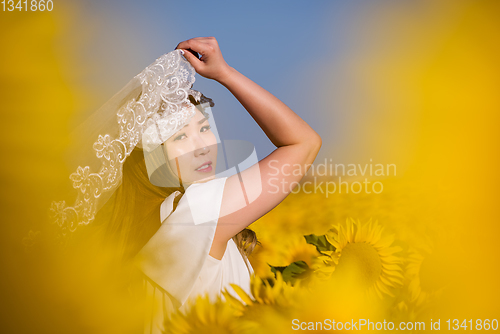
(179, 137)
(182, 135)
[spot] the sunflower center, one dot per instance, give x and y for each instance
(360, 261)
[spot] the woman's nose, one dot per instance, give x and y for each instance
(202, 147)
(202, 151)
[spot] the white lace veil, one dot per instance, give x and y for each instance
(148, 110)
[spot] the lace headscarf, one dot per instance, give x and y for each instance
(153, 106)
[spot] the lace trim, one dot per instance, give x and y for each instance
(163, 104)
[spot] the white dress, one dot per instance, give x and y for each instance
(217, 275)
(176, 260)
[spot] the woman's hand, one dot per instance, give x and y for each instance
(211, 65)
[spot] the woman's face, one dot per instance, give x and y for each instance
(194, 149)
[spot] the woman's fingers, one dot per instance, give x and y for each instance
(211, 64)
(195, 45)
(204, 38)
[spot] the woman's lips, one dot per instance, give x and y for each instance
(206, 167)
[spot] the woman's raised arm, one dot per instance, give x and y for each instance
(258, 189)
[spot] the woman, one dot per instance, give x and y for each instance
(297, 143)
(175, 220)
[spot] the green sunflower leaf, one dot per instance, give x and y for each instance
(296, 270)
(320, 241)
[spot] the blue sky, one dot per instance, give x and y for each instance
(282, 45)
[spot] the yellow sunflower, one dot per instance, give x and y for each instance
(422, 284)
(363, 255)
(293, 250)
(429, 271)
(281, 252)
(271, 303)
(270, 292)
(299, 250)
(206, 317)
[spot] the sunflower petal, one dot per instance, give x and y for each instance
(394, 273)
(385, 241)
(243, 295)
(389, 250)
(384, 289)
(385, 280)
(391, 259)
(376, 234)
(235, 302)
(360, 234)
(391, 267)
(332, 240)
